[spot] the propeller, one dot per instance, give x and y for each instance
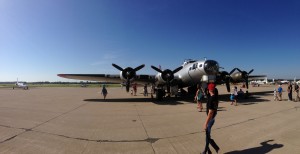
(225, 76)
(128, 73)
(245, 75)
(167, 75)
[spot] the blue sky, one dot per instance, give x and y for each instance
(42, 38)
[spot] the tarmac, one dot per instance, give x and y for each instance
(78, 120)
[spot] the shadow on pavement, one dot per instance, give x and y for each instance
(168, 101)
(264, 148)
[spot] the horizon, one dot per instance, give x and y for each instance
(37, 43)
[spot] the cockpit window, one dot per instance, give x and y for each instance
(200, 65)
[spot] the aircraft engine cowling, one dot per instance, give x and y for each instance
(237, 76)
(164, 77)
(128, 74)
(226, 78)
(242, 75)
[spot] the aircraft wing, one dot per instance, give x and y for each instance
(253, 77)
(112, 78)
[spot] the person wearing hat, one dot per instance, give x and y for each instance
(211, 111)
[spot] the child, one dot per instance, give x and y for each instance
(275, 95)
(232, 98)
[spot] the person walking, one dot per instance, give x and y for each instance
(235, 92)
(296, 87)
(199, 97)
(211, 111)
(279, 90)
(145, 90)
(134, 87)
(104, 92)
(232, 99)
(289, 90)
(275, 95)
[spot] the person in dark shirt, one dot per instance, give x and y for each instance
(297, 91)
(104, 92)
(211, 111)
(290, 91)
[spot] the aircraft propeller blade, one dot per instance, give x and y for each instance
(139, 67)
(251, 71)
(156, 69)
(128, 73)
(167, 75)
(247, 84)
(177, 69)
(232, 70)
(245, 76)
(117, 67)
(227, 82)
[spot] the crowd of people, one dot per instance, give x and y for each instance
(278, 92)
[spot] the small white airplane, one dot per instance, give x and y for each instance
(257, 83)
(20, 85)
(284, 81)
(189, 74)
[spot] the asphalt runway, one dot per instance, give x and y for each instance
(78, 120)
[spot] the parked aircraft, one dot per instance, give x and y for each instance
(20, 85)
(258, 82)
(189, 74)
(284, 81)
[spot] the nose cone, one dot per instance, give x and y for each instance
(211, 67)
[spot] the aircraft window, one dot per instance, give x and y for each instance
(195, 66)
(200, 65)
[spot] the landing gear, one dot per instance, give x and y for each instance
(160, 93)
(192, 90)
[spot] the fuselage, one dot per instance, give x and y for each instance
(193, 71)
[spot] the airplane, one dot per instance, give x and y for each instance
(20, 85)
(284, 81)
(168, 82)
(258, 82)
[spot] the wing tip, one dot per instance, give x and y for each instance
(61, 75)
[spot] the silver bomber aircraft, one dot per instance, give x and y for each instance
(170, 82)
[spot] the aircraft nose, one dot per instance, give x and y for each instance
(211, 67)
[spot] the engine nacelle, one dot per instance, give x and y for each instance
(124, 78)
(159, 80)
(238, 76)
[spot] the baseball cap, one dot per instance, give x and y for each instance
(211, 86)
